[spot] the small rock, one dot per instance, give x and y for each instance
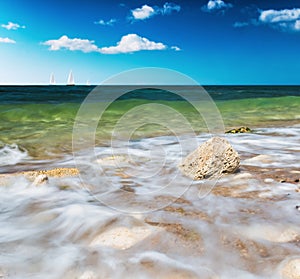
(40, 179)
(239, 130)
(290, 269)
(214, 157)
(269, 180)
(114, 160)
(298, 207)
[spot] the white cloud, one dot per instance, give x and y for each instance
(110, 22)
(240, 24)
(147, 11)
(7, 41)
(132, 43)
(176, 48)
(12, 26)
(143, 12)
(215, 5)
(285, 20)
(71, 44)
(168, 8)
(128, 44)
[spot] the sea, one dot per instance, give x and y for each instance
(130, 213)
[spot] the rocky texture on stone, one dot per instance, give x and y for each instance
(211, 159)
(239, 130)
(290, 269)
(57, 172)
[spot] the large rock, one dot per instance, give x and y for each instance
(211, 159)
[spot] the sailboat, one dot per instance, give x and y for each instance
(52, 79)
(88, 83)
(71, 81)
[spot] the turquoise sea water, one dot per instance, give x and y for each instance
(41, 118)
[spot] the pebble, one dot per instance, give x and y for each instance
(269, 180)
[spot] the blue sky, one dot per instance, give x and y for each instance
(212, 41)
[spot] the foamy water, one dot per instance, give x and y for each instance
(129, 223)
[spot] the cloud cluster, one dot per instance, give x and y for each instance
(71, 44)
(110, 22)
(147, 11)
(132, 43)
(12, 26)
(216, 5)
(143, 12)
(128, 44)
(168, 8)
(285, 20)
(7, 41)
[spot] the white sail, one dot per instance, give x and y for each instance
(71, 79)
(88, 83)
(52, 79)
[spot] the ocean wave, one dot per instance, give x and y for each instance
(12, 154)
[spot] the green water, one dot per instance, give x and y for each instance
(46, 129)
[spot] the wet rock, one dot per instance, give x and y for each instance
(214, 157)
(239, 130)
(243, 176)
(114, 160)
(40, 179)
(290, 269)
(57, 172)
(269, 180)
(122, 237)
(276, 234)
(264, 159)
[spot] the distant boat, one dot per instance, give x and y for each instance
(71, 81)
(52, 79)
(88, 83)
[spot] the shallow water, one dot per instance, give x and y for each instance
(40, 119)
(131, 213)
(241, 226)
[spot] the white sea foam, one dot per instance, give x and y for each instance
(11, 154)
(46, 232)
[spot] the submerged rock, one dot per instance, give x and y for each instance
(122, 237)
(214, 157)
(290, 269)
(239, 130)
